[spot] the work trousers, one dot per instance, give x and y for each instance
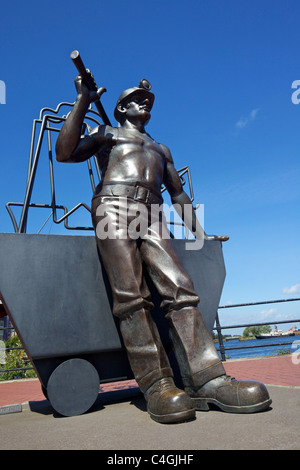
(125, 254)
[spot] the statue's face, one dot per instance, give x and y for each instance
(138, 107)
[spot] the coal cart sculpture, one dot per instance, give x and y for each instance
(56, 293)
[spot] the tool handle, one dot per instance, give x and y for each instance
(90, 83)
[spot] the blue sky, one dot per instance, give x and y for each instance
(222, 72)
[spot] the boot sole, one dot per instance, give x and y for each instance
(202, 404)
(170, 418)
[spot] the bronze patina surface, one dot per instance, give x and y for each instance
(134, 168)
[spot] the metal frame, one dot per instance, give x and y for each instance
(47, 118)
(45, 121)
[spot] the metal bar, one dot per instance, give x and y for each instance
(259, 303)
(219, 330)
(47, 206)
(23, 220)
(257, 346)
(12, 217)
(182, 172)
(20, 204)
(52, 185)
(259, 324)
(15, 370)
(65, 216)
(39, 231)
(91, 174)
(31, 148)
(97, 168)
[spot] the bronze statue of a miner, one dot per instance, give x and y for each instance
(134, 168)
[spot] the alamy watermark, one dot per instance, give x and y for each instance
(2, 353)
(122, 218)
(296, 94)
(296, 354)
(2, 92)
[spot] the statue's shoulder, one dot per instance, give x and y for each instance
(105, 131)
(167, 152)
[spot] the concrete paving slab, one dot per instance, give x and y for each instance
(119, 421)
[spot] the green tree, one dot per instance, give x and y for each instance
(265, 329)
(16, 359)
(250, 331)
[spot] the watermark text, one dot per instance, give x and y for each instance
(122, 219)
(2, 353)
(296, 94)
(296, 354)
(2, 92)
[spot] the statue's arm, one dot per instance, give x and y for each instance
(70, 145)
(181, 201)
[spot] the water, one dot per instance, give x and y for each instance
(293, 345)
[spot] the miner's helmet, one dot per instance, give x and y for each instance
(143, 89)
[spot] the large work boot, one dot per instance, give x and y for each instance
(152, 370)
(167, 403)
(230, 395)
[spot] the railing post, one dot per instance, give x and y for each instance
(219, 331)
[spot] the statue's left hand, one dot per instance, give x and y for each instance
(221, 238)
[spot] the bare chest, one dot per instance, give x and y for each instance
(136, 156)
(133, 141)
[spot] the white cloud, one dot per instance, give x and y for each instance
(244, 121)
(292, 290)
(272, 315)
(253, 113)
(268, 313)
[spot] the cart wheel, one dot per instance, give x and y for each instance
(73, 387)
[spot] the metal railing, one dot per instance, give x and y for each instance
(12, 348)
(222, 349)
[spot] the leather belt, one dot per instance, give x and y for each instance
(136, 192)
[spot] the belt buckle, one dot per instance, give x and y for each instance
(142, 194)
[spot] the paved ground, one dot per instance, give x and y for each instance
(269, 370)
(119, 420)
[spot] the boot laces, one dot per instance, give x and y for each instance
(162, 385)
